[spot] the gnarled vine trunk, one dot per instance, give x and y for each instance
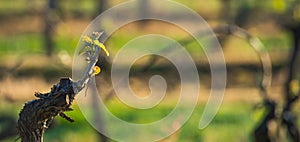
(37, 115)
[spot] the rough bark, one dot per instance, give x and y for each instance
(37, 114)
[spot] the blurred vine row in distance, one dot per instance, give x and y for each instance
(22, 36)
(22, 24)
(24, 62)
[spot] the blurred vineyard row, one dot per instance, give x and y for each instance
(38, 39)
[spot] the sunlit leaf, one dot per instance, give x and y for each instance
(96, 70)
(279, 5)
(101, 45)
(87, 39)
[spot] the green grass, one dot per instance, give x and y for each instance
(9, 6)
(232, 123)
(23, 44)
(133, 115)
(78, 131)
(87, 7)
(280, 41)
(33, 43)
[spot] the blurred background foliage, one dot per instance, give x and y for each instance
(38, 39)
